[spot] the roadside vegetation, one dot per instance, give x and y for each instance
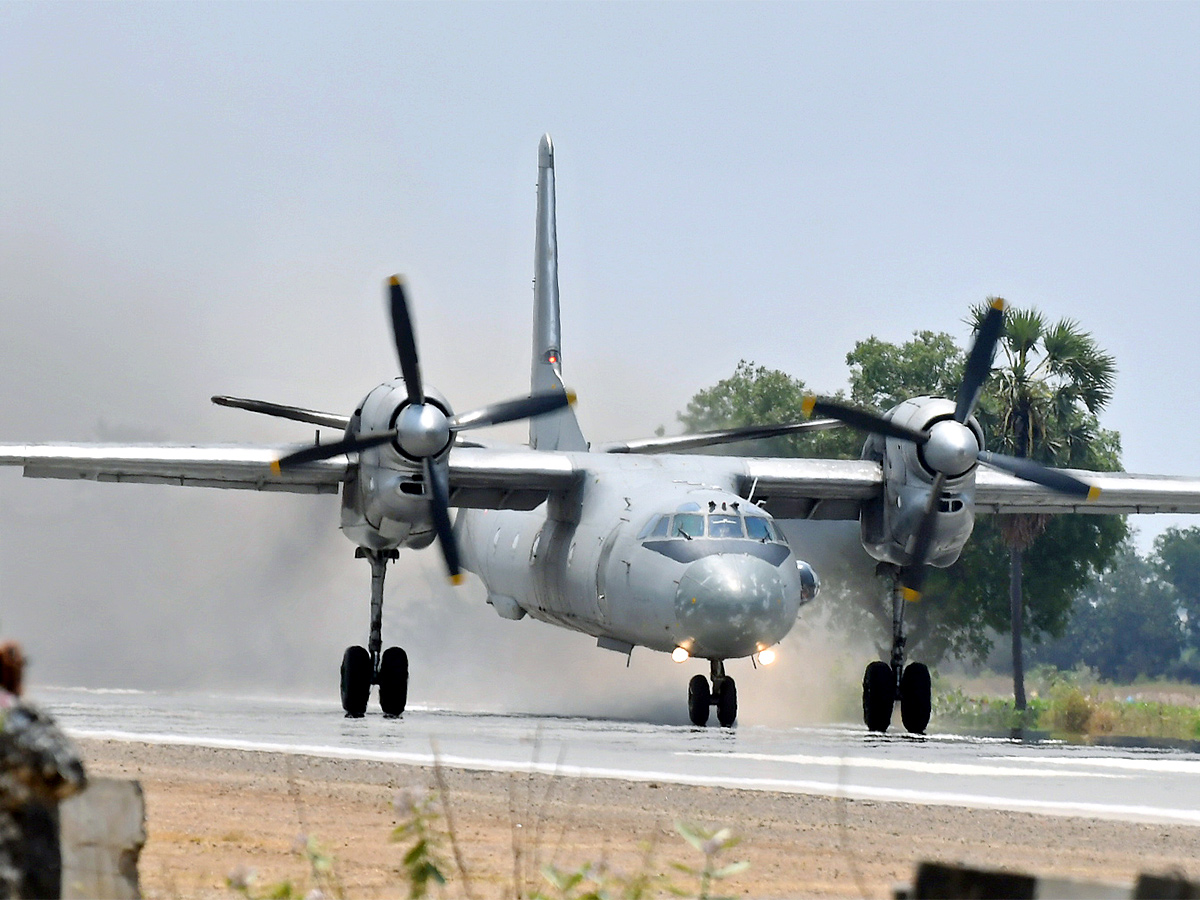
(1075, 705)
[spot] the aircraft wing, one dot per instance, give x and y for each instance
(810, 488)
(215, 465)
(480, 477)
(517, 478)
(834, 489)
(1120, 493)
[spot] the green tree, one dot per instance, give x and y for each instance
(756, 395)
(1177, 560)
(1125, 624)
(1041, 403)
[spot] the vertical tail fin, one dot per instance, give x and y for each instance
(558, 430)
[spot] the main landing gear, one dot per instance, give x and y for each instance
(722, 695)
(363, 667)
(884, 684)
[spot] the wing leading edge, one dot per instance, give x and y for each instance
(483, 477)
(834, 489)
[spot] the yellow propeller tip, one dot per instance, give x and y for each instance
(571, 398)
(910, 595)
(998, 303)
(1093, 493)
(458, 579)
(395, 280)
(807, 405)
(275, 468)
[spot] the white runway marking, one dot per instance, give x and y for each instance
(1148, 764)
(910, 765)
(1126, 812)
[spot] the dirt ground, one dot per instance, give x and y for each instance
(210, 812)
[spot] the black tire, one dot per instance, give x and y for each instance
(356, 681)
(699, 700)
(916, 698)
(878, 696)
(393, 681)
(727, 703)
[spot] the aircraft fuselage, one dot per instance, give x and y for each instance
(637, 562)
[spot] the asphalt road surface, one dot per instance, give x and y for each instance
(835, 760)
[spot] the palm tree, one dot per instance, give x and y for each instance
(1041, 403)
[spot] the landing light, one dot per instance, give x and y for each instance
(679, 655)
(766, 657)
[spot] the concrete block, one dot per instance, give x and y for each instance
(102, 832)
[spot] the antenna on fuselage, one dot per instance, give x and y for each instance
(560, 430)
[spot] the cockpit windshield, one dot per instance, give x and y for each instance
(725, 526)
(759, 528)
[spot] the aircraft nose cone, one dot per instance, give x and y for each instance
(727, 605)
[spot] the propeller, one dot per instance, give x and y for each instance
(423, 431)
(950, 447)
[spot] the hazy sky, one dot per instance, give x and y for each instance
(206, 198)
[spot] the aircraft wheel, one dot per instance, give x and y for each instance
(699, 700)
(356, 681)
(878, 696)
(727, 703)
(916, 698)
(393, 681)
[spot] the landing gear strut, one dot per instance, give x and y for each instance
(722, 695)
(363, 667)
(884, 684)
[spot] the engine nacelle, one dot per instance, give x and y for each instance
(384, 504)
(889, 524)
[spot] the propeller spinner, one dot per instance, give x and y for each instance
(950, 447)
(423, 431)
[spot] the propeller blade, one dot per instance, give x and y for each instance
(913, 578)
(1055, 479)
(511, 410)
(712, 438)
(979, 361)
(295, 413)
(406, 341)
(437, 478)
(351, 444)
(861, 419)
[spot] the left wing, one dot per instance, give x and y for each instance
(835, 489)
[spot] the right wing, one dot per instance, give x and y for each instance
(215, 465)
(482, 477)
(836, 488)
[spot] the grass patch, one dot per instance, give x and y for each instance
(1070, 704)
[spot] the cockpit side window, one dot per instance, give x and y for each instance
(758, 528)
(662, 527)
(725, 526)
(688, 525)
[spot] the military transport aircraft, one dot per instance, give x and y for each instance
(637, 544)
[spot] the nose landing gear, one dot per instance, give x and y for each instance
(722, 695)
(363, 667)
(884, 684)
